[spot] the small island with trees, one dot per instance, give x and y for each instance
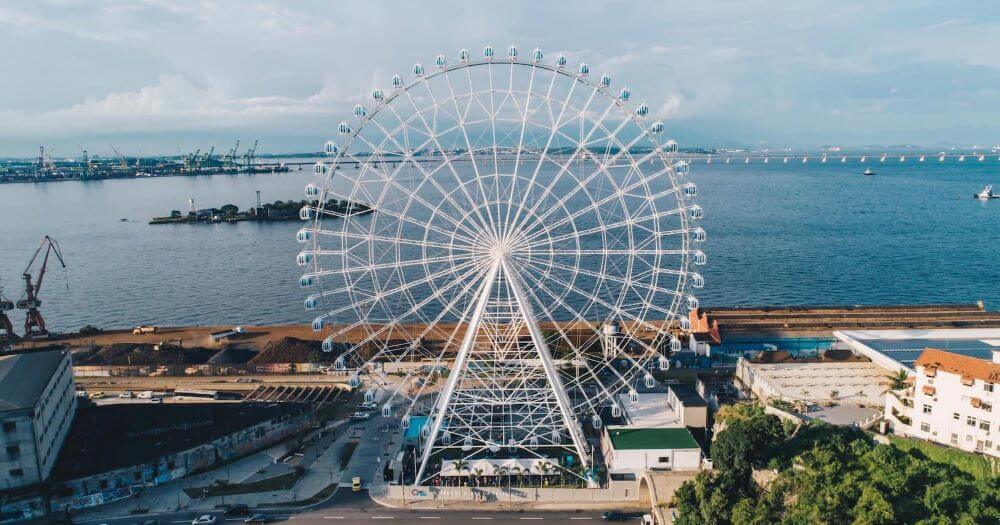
(270, 212)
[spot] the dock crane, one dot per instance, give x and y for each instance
(34, 324)
(249, 158)
(230, 158)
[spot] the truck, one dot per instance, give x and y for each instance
(145, 329)
(225, 334)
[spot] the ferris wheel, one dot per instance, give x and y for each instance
(503, 249)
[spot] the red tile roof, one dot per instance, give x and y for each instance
(961, 365)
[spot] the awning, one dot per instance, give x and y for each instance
(486, 466)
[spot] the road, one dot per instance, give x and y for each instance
(355, 508)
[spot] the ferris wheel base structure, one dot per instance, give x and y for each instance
(530, 229)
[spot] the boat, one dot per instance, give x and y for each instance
(987, 193)
(868, 171)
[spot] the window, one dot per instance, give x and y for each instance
(986, 407)
(989, 444)
(9, 426)
(954, 439)
(968, 437)
(927, 409)
(988, 387)
(664, 459)
(984, 425)
(955, 416)
(16, 473)
(925, 427)
(13, 452)
(971, 421)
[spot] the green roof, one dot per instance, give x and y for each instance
(651, 438)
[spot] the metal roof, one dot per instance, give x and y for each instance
(23, 377)
(624, 438)
(905, 346)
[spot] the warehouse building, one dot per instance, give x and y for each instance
(37, 403)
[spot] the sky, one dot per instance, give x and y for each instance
(162, 76)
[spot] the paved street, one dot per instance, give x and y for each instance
(348, 507)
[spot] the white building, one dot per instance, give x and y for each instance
(37, 403)
(952, 401)
(656, 436)
(635, 450)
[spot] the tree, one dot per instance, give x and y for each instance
(873, 509)
(898, 381)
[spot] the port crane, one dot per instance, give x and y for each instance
(230, 158)
(249, 158)
(34, 324)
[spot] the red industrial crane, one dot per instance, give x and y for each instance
(34, 324)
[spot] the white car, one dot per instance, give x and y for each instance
(148, 394)
(360, 416)
(205, 519)
(126, 395)
(367, 405)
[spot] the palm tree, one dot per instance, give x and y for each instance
(476, 474)
(898, 380)
(519, 472)
(497, 470)
(460, 465)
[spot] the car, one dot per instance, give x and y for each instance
(360, 416)
(156, 400)
(367, 405)
(147, 394)
(81, 393)
(144, 329)
(204, 519)
(126, 394)
(356, 484)
(257, 519)
(237, 510)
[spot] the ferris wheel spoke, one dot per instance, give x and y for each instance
(555, 132)
(593, 205)
(441, 191)
(606, 227)
(618, 353)
(441, 148)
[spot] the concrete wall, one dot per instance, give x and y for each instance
(640, 460)
(513, 494)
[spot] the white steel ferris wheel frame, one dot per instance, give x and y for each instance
(501, 253)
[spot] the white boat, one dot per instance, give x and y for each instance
(987, 193)
(868, 171)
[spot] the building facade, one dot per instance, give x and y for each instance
(37, 403)
(952, 400)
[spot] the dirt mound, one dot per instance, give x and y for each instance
(232, 355)
(141, 354)
(288, 350)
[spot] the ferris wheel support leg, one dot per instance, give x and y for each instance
(441, 407)
(550, 370)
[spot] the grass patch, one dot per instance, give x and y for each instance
(281, 482)
(345, 455)
(319, 497)
(972, 464)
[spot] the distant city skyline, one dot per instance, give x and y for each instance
(158, 77)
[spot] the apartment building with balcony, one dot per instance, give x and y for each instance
(952, 399)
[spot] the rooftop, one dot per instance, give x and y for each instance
(111, 437)
(623, 438)
(649, 411)
(903, 347)
(825, 318)
(23, 377)
(961, 365)
(862, 382)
